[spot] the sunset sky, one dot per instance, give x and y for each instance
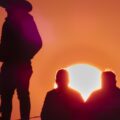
(73, 32)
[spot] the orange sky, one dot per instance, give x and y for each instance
(73, 31)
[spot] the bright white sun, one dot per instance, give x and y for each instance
(84, 78)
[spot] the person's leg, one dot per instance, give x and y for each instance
(7, 91)
(6, 103)
(23, 93)
(24, 99)
(0, 94)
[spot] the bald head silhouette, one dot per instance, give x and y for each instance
(108, 80)
(62, 79)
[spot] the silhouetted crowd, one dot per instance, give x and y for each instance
(20, 41)
(64, 103)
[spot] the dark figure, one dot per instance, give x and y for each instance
(104, 104)
(62, 103)
(20, 41)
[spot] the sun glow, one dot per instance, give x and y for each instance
(84, 78)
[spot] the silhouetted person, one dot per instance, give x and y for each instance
(20, 41)
(62, 103)
(104, 104)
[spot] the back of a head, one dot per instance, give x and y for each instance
(108, 80)
(62, 78)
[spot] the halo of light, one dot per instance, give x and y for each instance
(85, 78)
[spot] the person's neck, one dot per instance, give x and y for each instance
(62, 88)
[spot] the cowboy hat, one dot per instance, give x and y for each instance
(19, 3)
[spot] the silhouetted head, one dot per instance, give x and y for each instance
(108, 80)
(15, 4)
(62, 79)
(3, 3)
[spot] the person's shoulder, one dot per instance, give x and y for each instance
(94, 95)
(51, 92)
(117, 91)
(29, 15)
(97, 92)
(75, 93)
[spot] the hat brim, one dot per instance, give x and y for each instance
(25, 4)
(3, 3)
(20, 3)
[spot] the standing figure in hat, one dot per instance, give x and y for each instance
(20, 41)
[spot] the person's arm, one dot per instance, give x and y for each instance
(3, 51)
(44, 113)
